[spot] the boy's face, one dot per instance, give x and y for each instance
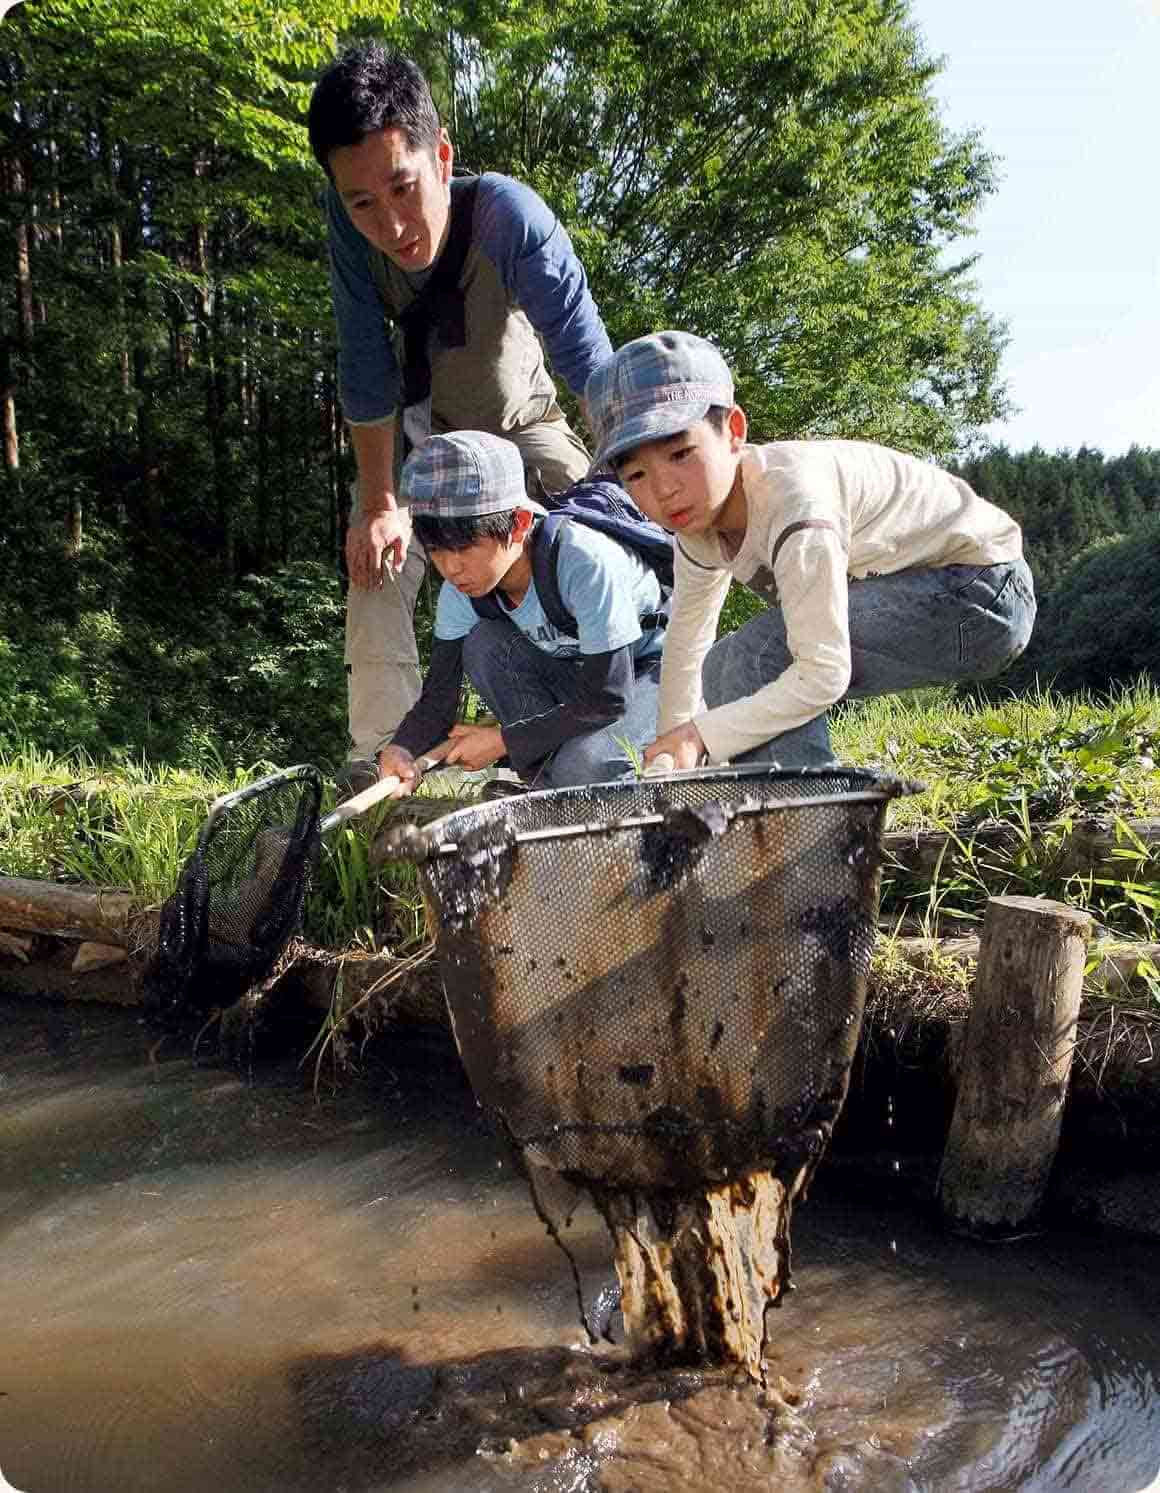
(484, 564)
(397, 197)
(683, 481)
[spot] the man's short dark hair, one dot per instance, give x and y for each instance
(366, 90)
(461, 533)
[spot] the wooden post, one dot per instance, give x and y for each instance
(1016, 1064)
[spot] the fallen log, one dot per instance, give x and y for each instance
(97, 913)
(1060, 849)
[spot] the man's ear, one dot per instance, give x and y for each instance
(737, 425)
(444, 155)
(524, 519)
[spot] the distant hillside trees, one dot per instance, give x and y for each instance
(1065, 502)
(1100, 624)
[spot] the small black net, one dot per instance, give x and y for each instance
(240, 895)
(659, 985)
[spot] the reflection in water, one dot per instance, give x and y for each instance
(209, 1283)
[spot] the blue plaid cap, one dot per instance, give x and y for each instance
(465, 475)
(653, 388)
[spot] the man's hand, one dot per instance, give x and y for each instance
(375, 543)
(397, 762)
(683, 744)
(474, 747)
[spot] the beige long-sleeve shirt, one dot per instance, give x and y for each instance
(820, 513)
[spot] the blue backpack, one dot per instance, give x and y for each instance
(607, 508)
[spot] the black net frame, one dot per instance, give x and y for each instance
(240, 895)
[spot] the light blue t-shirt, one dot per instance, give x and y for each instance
(606, 587)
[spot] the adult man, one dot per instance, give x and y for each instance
(469, 270)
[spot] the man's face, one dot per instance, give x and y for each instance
(683, 481)
(397, 197)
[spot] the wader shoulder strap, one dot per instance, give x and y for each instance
(438, 306)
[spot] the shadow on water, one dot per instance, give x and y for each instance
(215, 1283)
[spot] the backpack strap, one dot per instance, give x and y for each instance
(545, 572)
(439, 305)
(545, 576)
(545, 538)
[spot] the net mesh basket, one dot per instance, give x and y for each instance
(660, 984)
(240, 895)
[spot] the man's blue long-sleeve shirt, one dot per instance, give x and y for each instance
(535, 268)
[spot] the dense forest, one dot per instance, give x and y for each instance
(174, 459)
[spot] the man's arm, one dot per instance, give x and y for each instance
(377, 537)
(369, 380)
(542, 273)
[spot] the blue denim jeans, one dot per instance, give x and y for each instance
(907, 630)
(518, 680)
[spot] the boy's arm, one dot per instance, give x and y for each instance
(597, 583)
(369, 381)
(541, 272)
(699, 592)
(433, 713)
(813, 591)
(430, 718)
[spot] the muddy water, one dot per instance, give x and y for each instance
(214, 1283)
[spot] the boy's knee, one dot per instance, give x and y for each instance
(488, 640)
(587, 759)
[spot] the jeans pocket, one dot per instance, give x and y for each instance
(958, 579)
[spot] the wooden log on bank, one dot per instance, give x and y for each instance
(1016, 1065)
(1082, 848)
(107, 917)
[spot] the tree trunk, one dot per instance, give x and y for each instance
(70, 912)
(150, 497)
(333, 456)
(1016, 1065)
(263, 495)
(8, 403)
(25, 318)
(283, 475)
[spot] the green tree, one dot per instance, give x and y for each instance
(771, 174)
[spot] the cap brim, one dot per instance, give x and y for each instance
(655, 424)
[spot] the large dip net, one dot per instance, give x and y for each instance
(657, 989)
(240, 895)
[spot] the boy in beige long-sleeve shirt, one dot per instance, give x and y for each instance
(882, 572)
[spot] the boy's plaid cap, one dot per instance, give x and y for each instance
(466, 474)
(653, 388)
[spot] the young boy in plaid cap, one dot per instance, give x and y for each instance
(566, 705)
(880, 571)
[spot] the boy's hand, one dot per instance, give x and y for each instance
(397, 762)
(683, 744)
(474, 747)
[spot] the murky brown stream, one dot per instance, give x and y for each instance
(214, 1284)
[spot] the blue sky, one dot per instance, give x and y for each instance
(1067, 93)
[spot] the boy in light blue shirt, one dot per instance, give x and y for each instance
(572, 704)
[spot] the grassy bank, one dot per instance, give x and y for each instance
(1024, 761)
